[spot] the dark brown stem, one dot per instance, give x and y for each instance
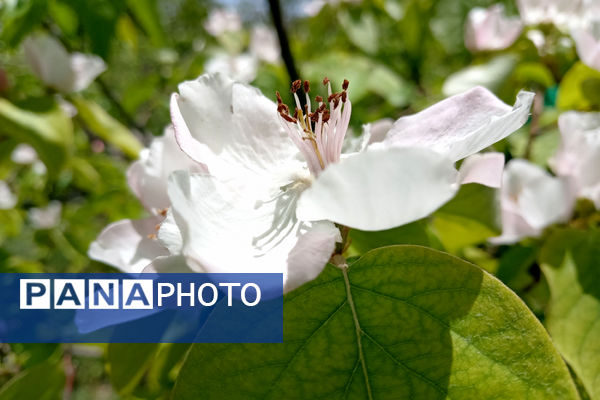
(284, 44)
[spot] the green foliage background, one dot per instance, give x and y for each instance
(398, 55)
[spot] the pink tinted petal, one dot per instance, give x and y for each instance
(125, 244)
(485, 169)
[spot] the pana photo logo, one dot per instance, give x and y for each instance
(129, 293)
(142, 308)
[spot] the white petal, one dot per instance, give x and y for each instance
(24, 154)
(380, 189)
(7, 198)
(379, 129)
(125, 244)
(461, 125)
(514, 228)
(244, 226)
(57, 68)
(264, 44)
(311, 253)
(538, 197)
(241, 67)
(578, 155)
(588, 47)
(168, 264)
(491, 29)
(223, 20)
(169, 234)
(147, 177)
(230, 127)
(485, 169)
(85, 68)
(46, 217)
(49, 61)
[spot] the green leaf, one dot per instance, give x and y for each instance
(363, 33)
(491, 75)
(146, 14)
(128, 362)
(413, 233)
(44, 381)
(570, 263)
(43, 124)
(402, 322)
(22, 20)
(471, 217)
(365, 76)
(576, 91)
(106, 127)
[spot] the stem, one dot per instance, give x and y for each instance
(284, 44)
(358, 331)
(534, 130)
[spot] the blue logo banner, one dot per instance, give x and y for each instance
(142, 308)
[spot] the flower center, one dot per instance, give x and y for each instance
(319, 135)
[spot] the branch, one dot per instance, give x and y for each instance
(284, 44)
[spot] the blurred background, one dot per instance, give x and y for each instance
(65, 146)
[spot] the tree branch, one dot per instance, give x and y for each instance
(284, 44)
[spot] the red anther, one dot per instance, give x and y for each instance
(345, 84)
(306, 87)
(331, 97)
(336, 102)
(314, 117)
(325, 81)
(322, 107)
(326, 116)
(297, 84)
(279, 100)
(344, 96)
(288, 118)
(296, 113)
(283, 108)
(319, 99)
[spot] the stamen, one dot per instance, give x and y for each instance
(318, 135)
(296, 85)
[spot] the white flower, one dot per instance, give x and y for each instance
(491, 29)
(58, 69)
(587, 41)
(223, 20)
(131, 245)
(532, 199)
(45, 217)
(241, 67)
(561, 13)
(7, 198)
(578, 156)
(268, 203)
(24, 154)
(264, 44)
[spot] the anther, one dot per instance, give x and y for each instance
(279, 100)
(344, 96)
(325, 81)
(319, 99)
(306, 87)
(296, 85)
(345, 84)
(288, 118)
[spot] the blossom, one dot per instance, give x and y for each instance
(578, 156)
(223, 20)
(491, 29)
(45, 217)
(131, 245)
(277, 184)
(531, 200)
(264, 44)
(57, 68)
(7, 198)
(240, 67)
(561, 13)
(587, 41)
